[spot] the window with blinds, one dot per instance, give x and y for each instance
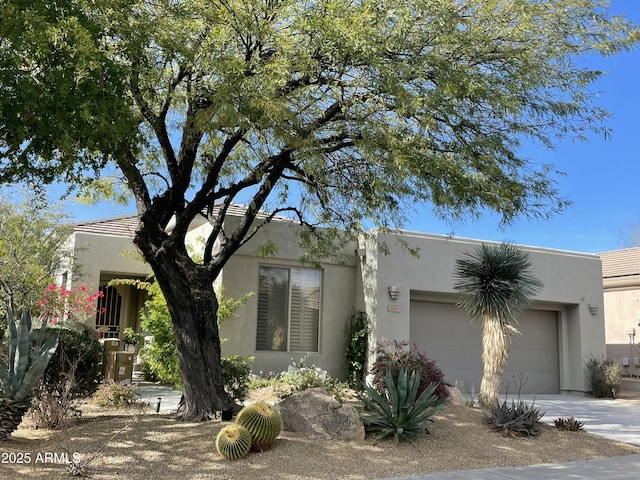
(288, 309)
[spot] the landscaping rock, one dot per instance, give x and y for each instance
(455, 397)
(316, 413)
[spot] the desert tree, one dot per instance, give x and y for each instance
(496, 285)
(32, 245)
(629, 235)
(338, 114)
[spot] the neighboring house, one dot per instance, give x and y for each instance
(297, 309)
(621, 282)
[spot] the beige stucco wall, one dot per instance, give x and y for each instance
(107, 256)
(572, 283)
(240, 276)
(111, 254)
(622, 314)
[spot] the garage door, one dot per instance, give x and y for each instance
(445, 334)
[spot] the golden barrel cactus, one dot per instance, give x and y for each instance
(233, 442)
(263, 422)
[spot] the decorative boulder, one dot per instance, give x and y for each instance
(316, 413)
(454, 396)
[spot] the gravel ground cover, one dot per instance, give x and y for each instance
(152, 446)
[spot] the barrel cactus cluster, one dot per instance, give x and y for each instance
(257, 428)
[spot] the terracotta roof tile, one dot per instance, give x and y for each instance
(621, 263)
(124, 226)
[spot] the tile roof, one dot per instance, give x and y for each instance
(621, 263)
(126, 225)
(123, 226)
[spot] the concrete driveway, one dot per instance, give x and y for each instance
(614, 419)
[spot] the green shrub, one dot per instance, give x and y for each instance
(236, 371)
(569, 424)
(401, 411)
(604, 377)
(302, 377)
(74, 373)
(357, 350)
(147, 372)
(393, 357)
(262, 381)
(160, 356)
(299, 376)
(112, 394)
(516, 420)
(131, 337)
(76, 343)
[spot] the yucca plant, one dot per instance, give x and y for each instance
(400, 411)
(496, 286)
(25, 368)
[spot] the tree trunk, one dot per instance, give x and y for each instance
(193, 305)
(495, 352)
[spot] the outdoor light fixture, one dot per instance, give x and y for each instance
(394, 292)
(593, 309)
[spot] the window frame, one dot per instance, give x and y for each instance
(290, 286)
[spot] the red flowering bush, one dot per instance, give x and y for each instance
(60, 304)
(394, 356)
(76, 369)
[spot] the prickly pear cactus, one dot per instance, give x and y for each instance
(264, 423)
(233, 442)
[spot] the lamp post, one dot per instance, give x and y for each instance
(632, 363)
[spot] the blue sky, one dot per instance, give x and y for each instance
(602, 176)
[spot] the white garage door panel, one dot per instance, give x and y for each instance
(443, 332)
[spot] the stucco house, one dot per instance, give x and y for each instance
(297, 310)
(103, 250)
(621, 283)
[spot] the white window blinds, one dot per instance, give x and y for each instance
(288, 309)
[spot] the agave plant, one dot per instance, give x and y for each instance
(519, 419)
(400, 411)
(16, 380)
(570, 424)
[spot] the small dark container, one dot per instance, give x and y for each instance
(226, 415)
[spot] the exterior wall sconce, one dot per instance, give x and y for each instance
(394, 292)
(593, 309)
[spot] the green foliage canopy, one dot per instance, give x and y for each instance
(336, 111)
